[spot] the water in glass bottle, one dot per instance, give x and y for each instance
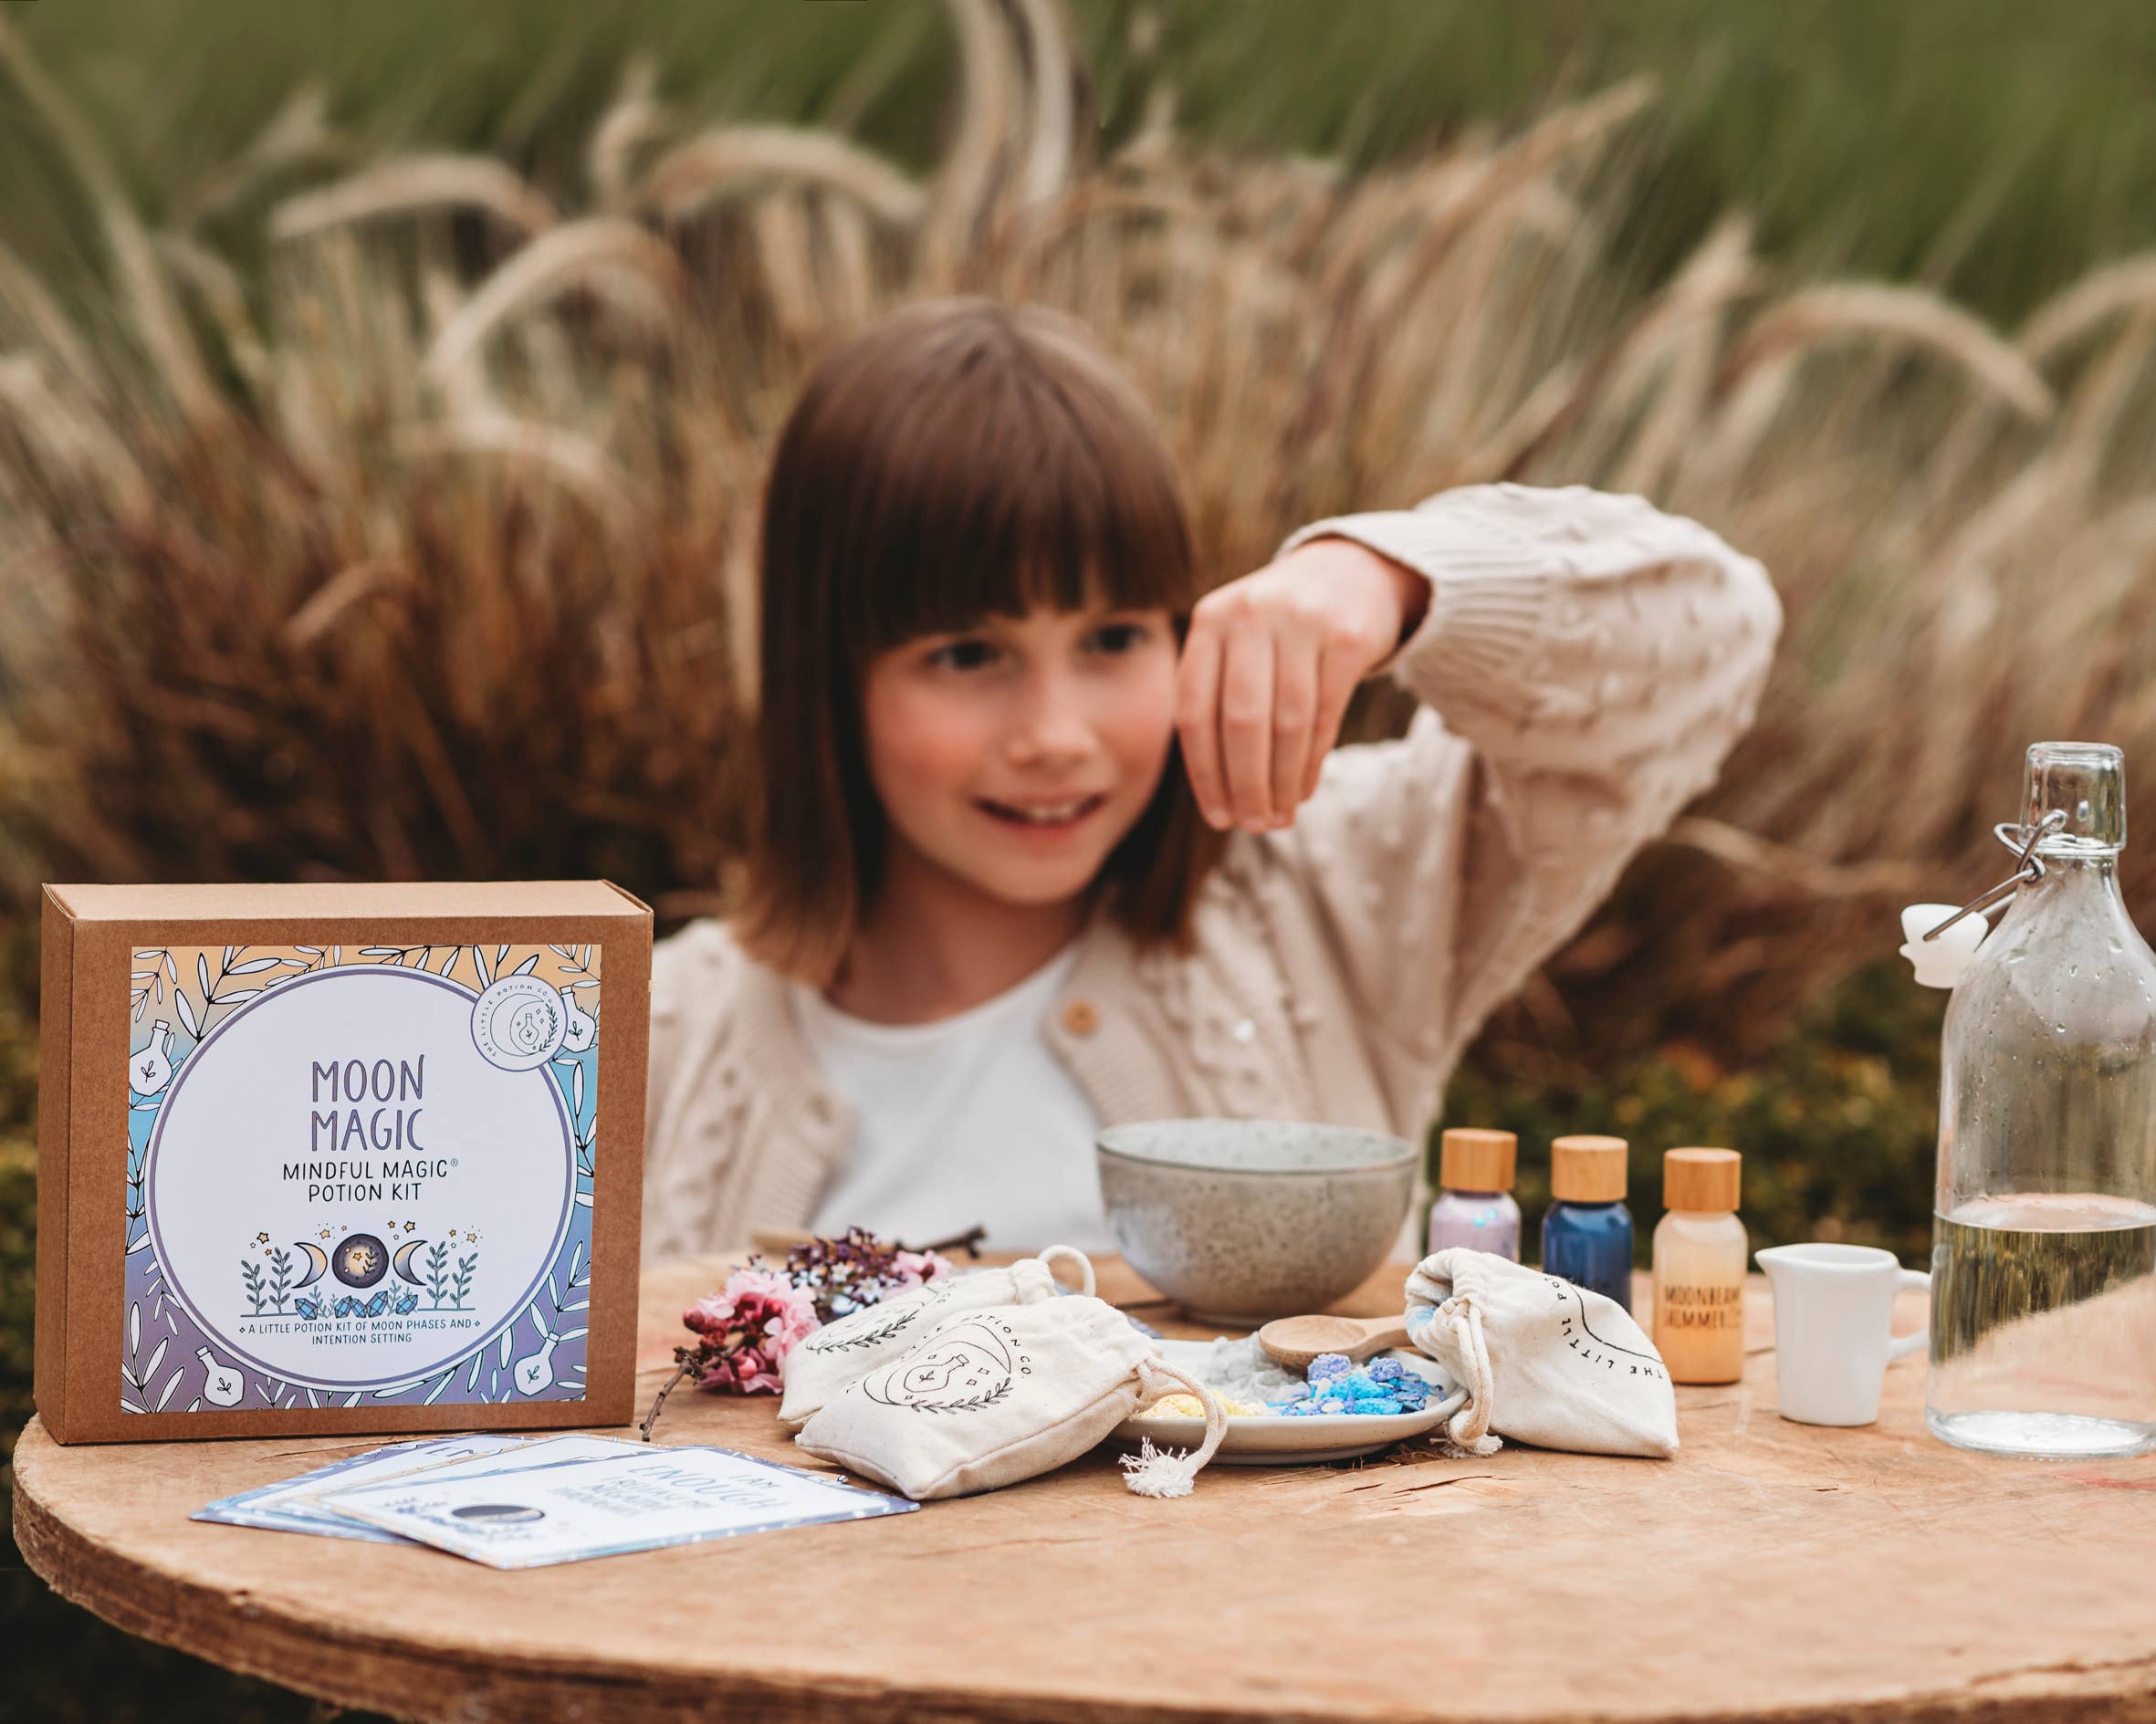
(2043, 1249)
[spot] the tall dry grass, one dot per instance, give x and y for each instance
(429, 552)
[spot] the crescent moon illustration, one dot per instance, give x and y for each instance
(318, 1260)
(403, 1261)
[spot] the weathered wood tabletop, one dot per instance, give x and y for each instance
(1771, 1569)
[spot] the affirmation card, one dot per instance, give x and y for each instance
(282, 1506)
(290, 1506)
(530, 1516)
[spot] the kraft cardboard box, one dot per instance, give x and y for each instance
(328, 1158)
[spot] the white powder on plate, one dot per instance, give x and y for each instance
(1244, 1371)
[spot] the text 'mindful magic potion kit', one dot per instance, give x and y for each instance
(339, 1157)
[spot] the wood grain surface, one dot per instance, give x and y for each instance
(1770, 1570)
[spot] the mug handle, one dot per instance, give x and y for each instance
(1901, 1346)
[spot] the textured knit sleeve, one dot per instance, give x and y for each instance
(1585, 663)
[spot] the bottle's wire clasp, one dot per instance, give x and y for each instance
(2028, 867)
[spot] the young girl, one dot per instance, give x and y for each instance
(1044, 846)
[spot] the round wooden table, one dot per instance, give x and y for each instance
(1770, 1570)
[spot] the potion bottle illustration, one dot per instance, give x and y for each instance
(535, 1371)
(578, 1025)
(151, 1068)
(221, 1385)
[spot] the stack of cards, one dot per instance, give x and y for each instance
(523, 1503)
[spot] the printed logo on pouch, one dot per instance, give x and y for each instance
(518, 1023)
(1582, 1341)
(970, 1366)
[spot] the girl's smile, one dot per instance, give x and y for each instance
(1046, 818)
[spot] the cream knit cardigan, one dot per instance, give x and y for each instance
(1593, 660)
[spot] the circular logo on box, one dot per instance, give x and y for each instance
(518, 1023)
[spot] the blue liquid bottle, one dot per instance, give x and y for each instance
(1586, 1235)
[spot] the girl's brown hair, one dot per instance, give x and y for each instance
(960, 460)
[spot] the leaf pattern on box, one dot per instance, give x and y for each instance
(177, 998)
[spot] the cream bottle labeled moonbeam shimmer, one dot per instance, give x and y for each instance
(1699, 1267)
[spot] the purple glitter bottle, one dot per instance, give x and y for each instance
(1476, 1208)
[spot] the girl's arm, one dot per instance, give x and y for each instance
(1593, 660)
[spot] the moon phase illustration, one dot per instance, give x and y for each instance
(403, 1261)
(318, 1260)
(360, 1260)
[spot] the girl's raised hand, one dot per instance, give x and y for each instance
(1268, 667)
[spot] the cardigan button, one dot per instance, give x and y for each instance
(1081, 1017)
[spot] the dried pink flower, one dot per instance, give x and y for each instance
(747, 1328)
(915, 1269)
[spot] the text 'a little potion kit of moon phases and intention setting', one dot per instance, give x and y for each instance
(377, 1166)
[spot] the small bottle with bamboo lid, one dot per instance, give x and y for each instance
(1476, 1208)
(1700, 1251)
(1586, 1232)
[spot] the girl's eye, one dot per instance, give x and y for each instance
(963, 656)
(1117, 637)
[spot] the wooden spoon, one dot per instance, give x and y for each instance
(1294, 1341)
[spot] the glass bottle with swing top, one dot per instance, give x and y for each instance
(2044, 1247)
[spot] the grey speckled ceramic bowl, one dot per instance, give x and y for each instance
(1240, 1220)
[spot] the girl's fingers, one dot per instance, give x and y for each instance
(1295, 709)
(1246, 725)
(1198, 719)
(1337, 677)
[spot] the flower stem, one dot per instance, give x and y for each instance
(652, 1418)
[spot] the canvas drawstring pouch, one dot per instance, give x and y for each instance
(1541, 1361)
(988, 1397)
(826, 1360)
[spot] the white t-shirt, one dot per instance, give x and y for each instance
(970, 1119)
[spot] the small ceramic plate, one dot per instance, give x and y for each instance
(1279, 1440)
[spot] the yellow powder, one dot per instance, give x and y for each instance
(1190, 1407)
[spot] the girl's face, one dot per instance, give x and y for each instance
(1015, 757)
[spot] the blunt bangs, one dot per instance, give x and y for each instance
(988, 485)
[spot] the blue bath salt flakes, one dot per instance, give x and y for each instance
(1379, 1390)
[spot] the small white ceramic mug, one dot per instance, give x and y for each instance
(1834, 1328)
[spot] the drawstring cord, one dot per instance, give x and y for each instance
(1468, 1428)
(1074, 1254)
(1159, 1472)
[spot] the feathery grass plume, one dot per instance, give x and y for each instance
(414, 185)
(296, 134)
(1766, 354)
(595, 254)
(2104, 292)
(991, 101)
(1052, 82)
(731, 160)
(635, 118)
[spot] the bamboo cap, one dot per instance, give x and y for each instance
(1702, 1179)
(1471, 1159)
(1588, 1169)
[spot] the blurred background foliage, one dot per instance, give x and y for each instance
(1990, 149)
(382, 409)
